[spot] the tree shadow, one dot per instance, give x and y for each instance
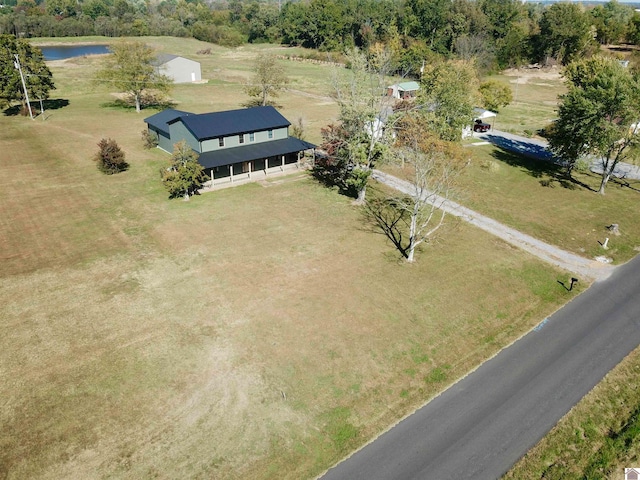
(626, 183)
(382, 217)
(525, 149)
(329, 173)
(128, 104)
(55, 104)
(256, 102)
(549, 173)
(51, 104)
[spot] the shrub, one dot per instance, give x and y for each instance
(150, 139)
(110, 157)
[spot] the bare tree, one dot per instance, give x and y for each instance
(433, 166)
(476, 48)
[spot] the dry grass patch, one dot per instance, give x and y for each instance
(252, 332)
(265, 332)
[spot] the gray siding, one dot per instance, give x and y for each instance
(164, 142)
(179, 132)
(233, 140)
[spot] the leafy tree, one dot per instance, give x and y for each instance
(37, 75)
(269, 78)
(95, 8)
(185, 175)
(130, 68)
(513, 49)
(110, 157)
(467, 19)
(449, 93)
(495, 94)
(633, 30)
(413, 57)
(501, 15)
(359, 141)
(429, 20)
(262, 23)
(293, 19)
(61, 8)
(598, 115)
(566, 32)
(611, 21)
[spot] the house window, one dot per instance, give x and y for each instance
(241, 138)
(221, 142)
(270, 132)
(252, 137)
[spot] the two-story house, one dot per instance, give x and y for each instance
(235, 143)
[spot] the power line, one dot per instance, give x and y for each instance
(17, 65)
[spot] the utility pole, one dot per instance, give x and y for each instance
(24, 85)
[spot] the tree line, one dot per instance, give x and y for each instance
(497, 33)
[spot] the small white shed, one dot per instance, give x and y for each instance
(180, 69)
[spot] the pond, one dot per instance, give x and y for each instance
(60, 52)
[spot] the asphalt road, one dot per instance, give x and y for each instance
(482, 425)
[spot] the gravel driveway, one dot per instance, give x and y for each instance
(566, 260)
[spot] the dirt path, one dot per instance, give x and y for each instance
(581, 266)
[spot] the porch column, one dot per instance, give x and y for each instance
(266, 166)
(231, 171)
(212, 178)
(298, 162)
(282, 164)
(250, 162)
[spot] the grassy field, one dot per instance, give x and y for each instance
(243, 334)
(535, 198)
(224, 73)
(259, 332)
(535, 97)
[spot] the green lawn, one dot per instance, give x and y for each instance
(535, 97)
(262, 331)
(534, 197)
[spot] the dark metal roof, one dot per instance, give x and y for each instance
(232, 122)
(161, 120)
(228, 156)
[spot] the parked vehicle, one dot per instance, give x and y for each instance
(480, 126)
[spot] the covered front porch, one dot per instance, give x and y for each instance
(252, 170)
(253, 162)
